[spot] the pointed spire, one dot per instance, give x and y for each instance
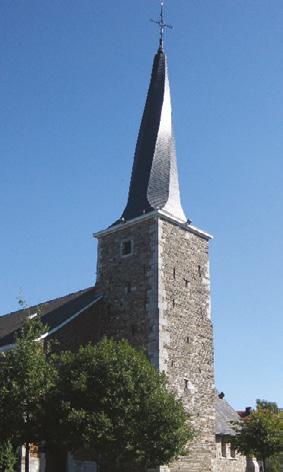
(154, 182)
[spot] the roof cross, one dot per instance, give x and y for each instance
(162, 24)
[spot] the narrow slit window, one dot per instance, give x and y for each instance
(223, 448)
(128, 287)
(134, 330)
(186, 384)
(144, 272)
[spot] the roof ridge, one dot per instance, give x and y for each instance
(22, 310)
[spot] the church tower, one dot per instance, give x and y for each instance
(153, 271)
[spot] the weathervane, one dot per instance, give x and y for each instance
(162, 24)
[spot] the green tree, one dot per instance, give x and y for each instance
(8, 457)
(259, 435)
(25, 379)
(273, 464)
(111, 400)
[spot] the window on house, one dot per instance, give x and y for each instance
(232, 451)
(127, 247)
(223, 448)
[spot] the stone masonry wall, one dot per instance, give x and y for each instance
(231, 461)
(186, 342)
(129, 284)
(159, 298)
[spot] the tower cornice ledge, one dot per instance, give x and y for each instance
(161, 214)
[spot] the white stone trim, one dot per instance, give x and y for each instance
(45, 335)
(126, 224)
(206, 281)
(152, 304)
(155, 214)
(98, 261)
(162, 305)
(123, 241)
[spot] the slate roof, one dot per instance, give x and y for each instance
(53, 313)
(224, 416)
(154, 182)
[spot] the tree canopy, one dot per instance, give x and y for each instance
(25, 379)
(105, 398)
(111, 400)
(8, 457)
(259, 434)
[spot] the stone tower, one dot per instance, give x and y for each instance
(153, 270)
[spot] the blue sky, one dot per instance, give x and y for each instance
(73, 82)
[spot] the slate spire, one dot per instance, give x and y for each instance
(154, 182)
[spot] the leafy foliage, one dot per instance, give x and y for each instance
(259, 435)
(25, 379)
(107, 399)
(267, 406)
(272, 464)
(8, 457)
(111, 400)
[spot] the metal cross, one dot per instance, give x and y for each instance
(162, 24)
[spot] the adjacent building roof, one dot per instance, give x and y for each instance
(225, 415)
(60, 311)
(154, 182)
(54, 313)
(245, 413)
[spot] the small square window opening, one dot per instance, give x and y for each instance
(127, 247)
